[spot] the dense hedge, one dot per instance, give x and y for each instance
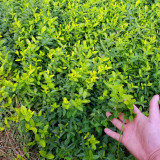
(64, 63)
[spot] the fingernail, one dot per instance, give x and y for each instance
(106, 130)
(157, 97)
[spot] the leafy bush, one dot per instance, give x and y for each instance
(64, 63)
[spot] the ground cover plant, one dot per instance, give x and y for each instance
(64, 63)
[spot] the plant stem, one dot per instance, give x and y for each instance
(119, 139)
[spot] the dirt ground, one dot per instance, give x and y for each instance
(11, 146)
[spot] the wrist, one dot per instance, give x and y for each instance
(154, 155)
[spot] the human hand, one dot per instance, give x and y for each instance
(141, 136)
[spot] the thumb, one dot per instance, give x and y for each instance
(154, 107)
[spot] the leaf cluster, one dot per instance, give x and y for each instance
(64, 63)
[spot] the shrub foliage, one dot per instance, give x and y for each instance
(64, 63)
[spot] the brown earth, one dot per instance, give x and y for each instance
(11, 146)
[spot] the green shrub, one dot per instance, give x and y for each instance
(64, 63)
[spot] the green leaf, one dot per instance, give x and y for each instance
(86, 101)
(50, 156)
(31, 143)
(79, 107)
(27, 117)
(37, 138)
(81, 91)
(43, 153)
(1, 129)
(131, 118)
(34, 129)
(5, 121)
(42, 143)
(28, 42)
(32, 122)
(23, 110)
(43, 29)
(85, 94)
(27, 126)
